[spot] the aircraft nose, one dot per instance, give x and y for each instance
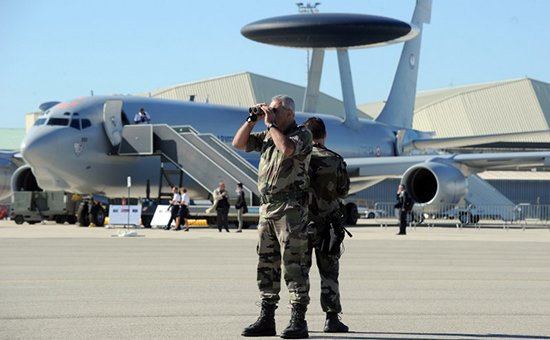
(37, 148)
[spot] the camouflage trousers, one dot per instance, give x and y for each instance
(329, 270)
(283, 244)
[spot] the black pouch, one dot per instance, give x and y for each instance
(333, 235)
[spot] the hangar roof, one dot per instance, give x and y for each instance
(244, 89)
(505, 106)
(511, 106)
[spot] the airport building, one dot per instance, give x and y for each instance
(505, 106)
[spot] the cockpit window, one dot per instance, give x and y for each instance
(86, 123)
(40, 121)
(75, 123)
(58, 121)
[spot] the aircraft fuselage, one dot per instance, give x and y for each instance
(68, 148)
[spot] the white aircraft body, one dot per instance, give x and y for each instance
(75, 145)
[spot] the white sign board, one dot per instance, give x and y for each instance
(118, 214)
(161, 216)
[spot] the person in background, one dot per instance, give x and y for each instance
(221, 200)
(142, 117)
(183, 213)
(404, 205)
(174, 207)
(240, 206)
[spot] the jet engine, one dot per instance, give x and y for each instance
(5, 192)
(434, 184)
(23, 180)
(8, 165)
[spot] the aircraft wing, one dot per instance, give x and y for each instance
(475, 162)
(383, 166)
(454, 142)
(505, 161)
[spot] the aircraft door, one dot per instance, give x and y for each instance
(399, 140)
(112, 120)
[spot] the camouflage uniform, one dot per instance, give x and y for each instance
(283, 183)
(329, 182)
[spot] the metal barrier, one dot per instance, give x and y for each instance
(523, 215)
(386, 214)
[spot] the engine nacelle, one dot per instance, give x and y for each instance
(8, 165)
(435, 183)
(23, 180)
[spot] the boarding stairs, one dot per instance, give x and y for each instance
(201, 156)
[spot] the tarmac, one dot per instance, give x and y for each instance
(69, 282)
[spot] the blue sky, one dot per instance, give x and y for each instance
(62, 49)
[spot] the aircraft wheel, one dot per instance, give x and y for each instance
(60, 219)
(19, 219)
(352, 214)
(97, 217)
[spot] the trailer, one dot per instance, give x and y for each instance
(38, 206)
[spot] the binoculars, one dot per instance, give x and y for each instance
(255, 109)
(254, 112)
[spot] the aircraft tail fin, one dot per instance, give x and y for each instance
(399, 107)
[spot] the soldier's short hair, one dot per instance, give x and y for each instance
(286, 101)
(316, 126)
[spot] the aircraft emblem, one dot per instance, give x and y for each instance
(78, 146)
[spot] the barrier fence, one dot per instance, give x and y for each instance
(523, 215)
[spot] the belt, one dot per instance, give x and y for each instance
(284, 196)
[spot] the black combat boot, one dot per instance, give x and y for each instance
(297, 327)
(334, 325)
(265, 325)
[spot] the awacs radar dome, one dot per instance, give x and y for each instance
(329, 30)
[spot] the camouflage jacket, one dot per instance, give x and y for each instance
(283, 181)
(329, 182)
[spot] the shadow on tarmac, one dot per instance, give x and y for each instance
(419, 336)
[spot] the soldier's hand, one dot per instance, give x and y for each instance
(269, 115)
